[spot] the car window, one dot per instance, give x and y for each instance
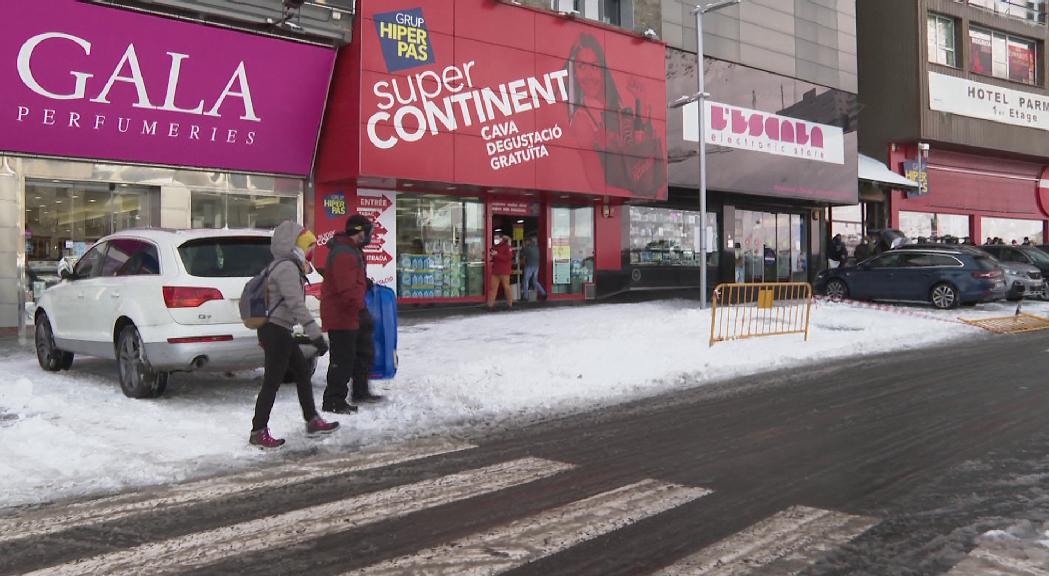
(87, 266)
(886, 261)
(1037, 256)
(127, 257)
(920, 260)
(985, 263)
(226, 257)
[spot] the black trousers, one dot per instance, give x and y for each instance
(352, 355)
(282, 354)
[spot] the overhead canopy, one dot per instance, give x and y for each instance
(873, 171)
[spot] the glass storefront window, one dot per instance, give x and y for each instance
(847, 221)
(440, 247)
(1010, 230)
(221, 210)
(928, 226)
(770, 247)
(62, 219)
(572, 242)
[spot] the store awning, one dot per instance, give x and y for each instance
(873, 171)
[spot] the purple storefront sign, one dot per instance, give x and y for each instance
(91, 82)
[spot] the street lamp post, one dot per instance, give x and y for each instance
(700, 99)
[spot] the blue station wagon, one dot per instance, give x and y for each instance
(946, 278)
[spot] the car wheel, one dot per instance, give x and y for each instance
(137, 378)
(944, 296)
(837, 289)
(47, 353)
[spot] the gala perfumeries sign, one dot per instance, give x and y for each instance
(86, 81)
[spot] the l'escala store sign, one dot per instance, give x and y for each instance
(988, 102)
(747, 129)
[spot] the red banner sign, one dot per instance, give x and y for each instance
(485, 93)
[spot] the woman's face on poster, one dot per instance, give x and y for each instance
(589, 73)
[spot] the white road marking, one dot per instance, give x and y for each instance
(301, 526)
(1030, 560)
(529, 539)
(782, 545)
(49, 521)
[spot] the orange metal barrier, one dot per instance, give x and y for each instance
(750, 310)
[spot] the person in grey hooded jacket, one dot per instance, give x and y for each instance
(286, 297)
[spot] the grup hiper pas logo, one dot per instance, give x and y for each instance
(404, 38)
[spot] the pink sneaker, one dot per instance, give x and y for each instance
(262, 439)
(318, 426)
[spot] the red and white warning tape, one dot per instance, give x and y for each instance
(820, 300)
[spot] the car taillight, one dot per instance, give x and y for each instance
(185, 297)
(314, 290)
(201, 339)
(988, 275)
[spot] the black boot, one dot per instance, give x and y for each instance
(339, 408)
(368, 398)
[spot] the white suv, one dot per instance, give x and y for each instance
(158, 301)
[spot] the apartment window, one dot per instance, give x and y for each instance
(1003, 56)
(1030, 10)
(607, 11)
(942, 46)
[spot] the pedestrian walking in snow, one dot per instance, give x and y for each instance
(839, 254)
(347, 320)
(502, 266)
(292, 246)
(530, 261)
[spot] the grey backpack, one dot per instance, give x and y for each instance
(254, 299)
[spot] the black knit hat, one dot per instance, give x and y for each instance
(357, 223)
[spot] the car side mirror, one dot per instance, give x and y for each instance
(66, 274)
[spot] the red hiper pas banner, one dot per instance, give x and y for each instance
(484, 93)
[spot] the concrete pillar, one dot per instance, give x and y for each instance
(12, 247)
(175, 207)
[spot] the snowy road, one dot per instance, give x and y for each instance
(73, 433)
(932, 461)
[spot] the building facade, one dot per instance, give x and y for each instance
(114, 118)
(781, 141)
(452, 122)
(954, 94)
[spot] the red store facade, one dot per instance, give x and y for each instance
(451, 121)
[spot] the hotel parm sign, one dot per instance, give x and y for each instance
(491, 94)
(94, 82)
(988, 102)
(746, 129)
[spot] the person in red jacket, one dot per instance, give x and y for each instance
(502, 266)
(346, 319)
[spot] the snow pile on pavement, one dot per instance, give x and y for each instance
(74, 433)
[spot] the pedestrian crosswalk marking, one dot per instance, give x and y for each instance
(1017, 561)
(115, 507)
(529, 539)
(782, 545)
(300, 526)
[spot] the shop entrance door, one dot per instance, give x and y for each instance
(772, 248)
(521, 230)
